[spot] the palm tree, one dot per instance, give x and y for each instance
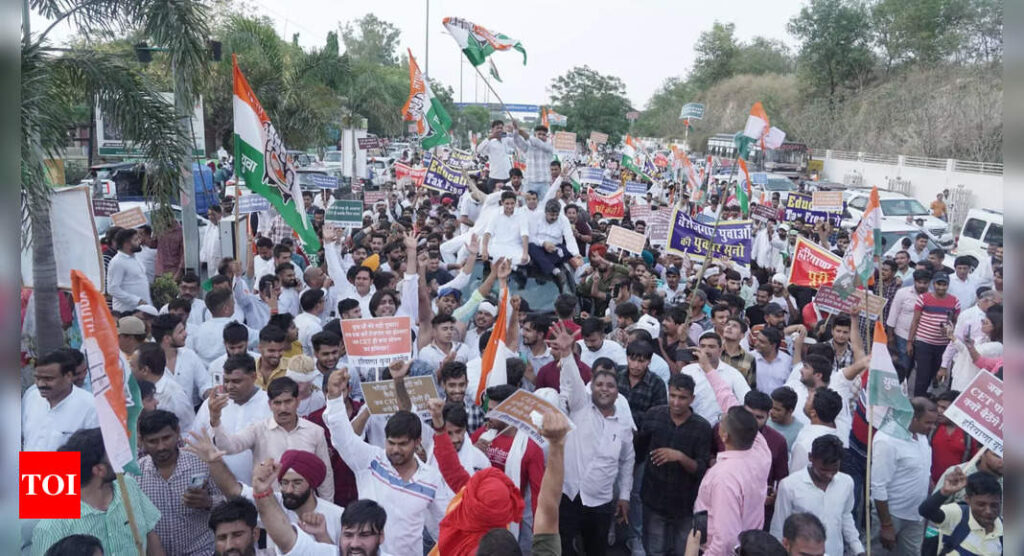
(54, 80)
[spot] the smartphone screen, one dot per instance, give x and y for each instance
(700, 524)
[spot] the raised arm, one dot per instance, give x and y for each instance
(275, 521)
(357, 453)
(447, 458)
(570, 383)
(200, 444)
(554, 429)
(399, 370)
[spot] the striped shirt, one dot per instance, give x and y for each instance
(110, 526)
(935, 312)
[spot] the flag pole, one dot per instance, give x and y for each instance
(130, 513)
(488, 83)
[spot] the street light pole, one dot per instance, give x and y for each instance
(189, 217)
(426, 55)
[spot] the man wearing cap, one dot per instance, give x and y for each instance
(672, 290)
(131, 333)
(483, 320)
(551, 240)
(781, 296)
(927, 340)
(127, 283)
(303, 371)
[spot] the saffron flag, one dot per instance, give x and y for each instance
(492, 361)
(544, 117)
(478, 43)
(757, 122)
(890, 409)
(263, 163)
(118, 399)
(425, 110)
(865, 244)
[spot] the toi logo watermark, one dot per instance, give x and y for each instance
(49, 485)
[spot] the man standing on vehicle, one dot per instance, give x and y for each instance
(496, 148)
(539, 152)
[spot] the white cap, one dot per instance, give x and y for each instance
(648, 323)
(780, 278)
(148, 309)
(489, 308)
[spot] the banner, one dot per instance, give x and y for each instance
(608, 206)
(377, 342)
(692, 111)
(591, 176)
(598, 138)
(565, 141)
(404, 171)
(371, 198)
(799, 205)
(978, 410)
(730, 241)
(382, 399)
(519, 411)
(829, 301)
(813, 265)
(118, 400)
(443, 178)
(248, 204)
(345, 214)
(627, 240)
(76, 244)
(461, 160)
(318, 180)
(636, 188)
(366, 143)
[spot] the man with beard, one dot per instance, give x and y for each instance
(551, 241)
(103, 510)
(234, 527)
(451, 420)
(781, 296)
(755, 313)
(288, 301)
(413, 494)
(927, 339)
(483, 321)
(207, 341)
(904, 272)
(148, 363)
(672, 290)
(178, 485)
(453, 378)
(599, 458)
(271, 437)
(186, 368)
(710, 346)
(598, 286)
(55, 408)
(188, 289)
(127, 283)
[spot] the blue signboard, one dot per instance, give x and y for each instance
(497, 107)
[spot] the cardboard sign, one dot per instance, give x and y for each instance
(598, 138)
(248, 204)
(131, 218)
(382, 398)
(516, 410)
(827, 201)
(729, 241)
(368, 143)
(762, 213)
(799, 205)
(658, 221)
(636, 189)
(813, 265)
(105, 207)
(978, 410)
(406, 172)
(371, 198)
(828, 300)
(345, 214)
(627, 240)
(443, 178)
(377, 342)
(565, 141)
(608, 206)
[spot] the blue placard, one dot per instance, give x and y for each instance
(798, 205)
(443, 178)
(591, 176)
(323, 181)
(759, 178)
(252, 203)
(729, 240)
(636, 188)
(607, 186)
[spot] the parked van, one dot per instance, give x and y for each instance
(982, 227)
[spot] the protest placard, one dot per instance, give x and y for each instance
(372, 197)
(607, 186)
(829, 301)
(608, 206)
(813, 265)
(382, 398)
(978, 411)
(318, 180)
(636, 188)
(627, 240)
(565, 141)
(762, 213)
(251, 203)
(598, 137)
(443, 178)
(368, 143)
(131, 218)
(377, 342)
(659, 224)
(591, 176)
(345, 214)
(105, 207)
(516, 411)
(729, 241)
(461, 160)
(799, 205)
(692, 111)
(827, 201)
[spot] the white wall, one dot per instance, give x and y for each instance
(985, 190)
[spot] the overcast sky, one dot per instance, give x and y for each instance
(640, 41)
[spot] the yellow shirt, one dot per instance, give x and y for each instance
(938, 208)
(278, 372)
(293, 350)
(978, 541)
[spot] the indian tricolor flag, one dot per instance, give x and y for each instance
(630, 158)
(743, 191)
(478, 43)
(492, 362)
(425, 110)
(890, 409)
(118, 399)
(865, 245)
(759, 128)
(557, 119)
(262, 161)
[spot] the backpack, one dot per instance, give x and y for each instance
(951, 543)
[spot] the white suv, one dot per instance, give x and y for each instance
(897, 207)
(982, 227)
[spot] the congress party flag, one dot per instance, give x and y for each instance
(478, 43)
(425, 110)
(262, 161)
(631, 159)
(890, 409)
(557, 119)
(757, 122)
(492, 361)
(865, 244)
(118, 399)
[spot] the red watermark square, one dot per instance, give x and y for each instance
(49, 485)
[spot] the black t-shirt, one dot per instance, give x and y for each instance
(755, 315)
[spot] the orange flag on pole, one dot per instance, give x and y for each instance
(490, 362)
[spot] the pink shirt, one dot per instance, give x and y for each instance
(733, 491)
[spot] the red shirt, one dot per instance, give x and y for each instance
(549, 375)
(948, 449)
(532, 467)
(571, 326)
(345, 491)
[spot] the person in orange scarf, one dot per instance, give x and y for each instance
(486, 500)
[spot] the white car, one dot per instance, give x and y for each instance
(899, 208)
(332, 160)
(777, 183)
(103, 222)
(982, 227)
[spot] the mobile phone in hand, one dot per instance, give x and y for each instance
(700, 524)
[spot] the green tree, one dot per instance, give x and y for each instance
(716, 51)
(661, 116)
(371, 40)
(762, 55)
(52, 82)
(835, 53)
(591, 102)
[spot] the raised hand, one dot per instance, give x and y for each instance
(337, 384)
(264, 475)
(436, 407)
(503, 268)
(218, 401)
(201, 444)
(314, 524)
(954, 482)
(409, 239)
(555, 427)
(400, 369)
(474, 245)
(561, 339)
